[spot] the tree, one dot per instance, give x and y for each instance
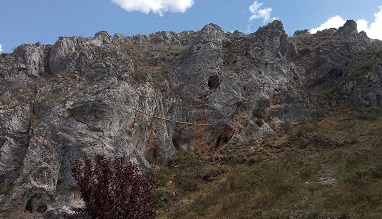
(113, 189)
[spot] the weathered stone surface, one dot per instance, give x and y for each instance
(350, 27)
(152, 95)
(31, 59)
(326, 179)
(334, 57)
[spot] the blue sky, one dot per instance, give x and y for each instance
(26, 21)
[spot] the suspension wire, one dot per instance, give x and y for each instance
(170, 120)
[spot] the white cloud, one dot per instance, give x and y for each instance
(373, 30)
(155, 6)
(1, 47)
(333, 22)
(257, 13)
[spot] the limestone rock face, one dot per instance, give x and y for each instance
(31, 59)
(350, 27)
(149, 96)
(343, 61)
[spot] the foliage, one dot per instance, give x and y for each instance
(187, 159)
(114, 189)
(301, 32)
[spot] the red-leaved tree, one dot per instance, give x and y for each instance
(113, 189)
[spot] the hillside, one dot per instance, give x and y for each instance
(236, 125)
(327, 168)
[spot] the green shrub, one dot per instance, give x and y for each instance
(301, 32)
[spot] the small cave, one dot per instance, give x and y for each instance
(36, 204)
(213, 82)
(259, 122)
(41, 208)
(176, 138)
(378, 100)
(327, 80)
(2, 142)
(170, 110)
(28, 207)
(224, 136)
(335, 73)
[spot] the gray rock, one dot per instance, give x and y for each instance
(326, 179)
(30, 58)
(59, 55)
(350, 27)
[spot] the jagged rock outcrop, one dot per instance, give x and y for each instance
(31, 59)
(148, 96)
(350, 27)
(340, 66)
(218, 80)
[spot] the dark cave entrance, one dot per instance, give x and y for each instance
(213, 82)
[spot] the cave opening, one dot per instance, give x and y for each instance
(28, 207)
(213, 82)
(378, 100)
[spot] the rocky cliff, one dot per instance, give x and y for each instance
(149, 96)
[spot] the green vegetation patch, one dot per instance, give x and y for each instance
(330, 168)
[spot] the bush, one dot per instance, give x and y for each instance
(301, 32)
(114, 189)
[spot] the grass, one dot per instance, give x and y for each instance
(329, 168)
